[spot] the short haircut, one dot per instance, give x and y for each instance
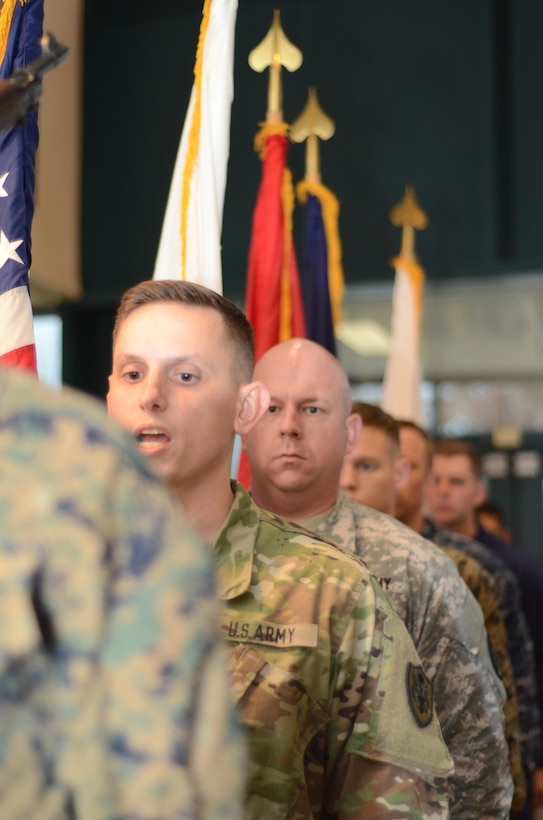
(492, 508)
(406, 424)
(237, 326)
(374, 416)
(457, 447)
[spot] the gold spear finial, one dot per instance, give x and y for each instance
(312, 124)
(275, 51)
(408, 215)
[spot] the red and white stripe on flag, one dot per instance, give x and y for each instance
(17, 346)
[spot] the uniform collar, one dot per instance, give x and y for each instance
(234, 545)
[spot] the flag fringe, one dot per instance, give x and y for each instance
(268, 129)
(287, 200)
(6, 15)
(194, 134)
(330, 215)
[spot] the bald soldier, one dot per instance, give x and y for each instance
(337, 708)
(295, 455)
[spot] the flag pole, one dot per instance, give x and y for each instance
(322, 269)
(311, 125)
(408, 215)
(273, 52)
(273, 298)
(402, 379)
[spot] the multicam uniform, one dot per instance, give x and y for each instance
(446, 625)
(337, 708)
(114, 700)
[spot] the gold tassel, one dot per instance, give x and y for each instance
(267, 129)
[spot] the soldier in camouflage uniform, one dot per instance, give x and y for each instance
(376, 473)
(295, 454)
(337, 708)
(113, 695)
(417, 446)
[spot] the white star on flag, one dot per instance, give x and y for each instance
(3, 178)
(8, 250)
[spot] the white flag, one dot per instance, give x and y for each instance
(190, 243)
(403, 379)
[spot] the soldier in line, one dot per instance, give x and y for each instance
(337, 708)
(417, 447)
(377, 473)
(452, 495)
(295, 455)
(113, 693)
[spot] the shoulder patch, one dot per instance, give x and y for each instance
(419, 694)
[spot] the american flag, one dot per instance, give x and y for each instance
(21, 29)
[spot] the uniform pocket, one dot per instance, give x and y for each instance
(281, 719)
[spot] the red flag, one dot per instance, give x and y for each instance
(273, 299)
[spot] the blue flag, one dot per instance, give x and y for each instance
(314, 277)
(21, 29)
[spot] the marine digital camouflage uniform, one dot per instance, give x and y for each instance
(114, 700)
(447, 628)
(483, 587)
(337, 709)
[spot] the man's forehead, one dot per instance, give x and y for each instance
(456, 463)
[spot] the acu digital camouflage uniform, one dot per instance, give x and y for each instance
(447, 628)
(519, 642)
(483, 588)
(337, 708)
(114, 696)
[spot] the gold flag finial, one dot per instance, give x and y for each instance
(408, 215)
(275, 51)
(312, 124)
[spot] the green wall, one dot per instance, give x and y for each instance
(446, 96)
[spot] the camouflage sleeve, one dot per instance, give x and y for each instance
(152, 708)
(385, 746)
(483, 587)
(457, 659)
(521, 652)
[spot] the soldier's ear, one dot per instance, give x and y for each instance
(481, 494)
(402, 471)
(254, 400)
(353, 428)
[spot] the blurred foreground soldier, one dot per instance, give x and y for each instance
(374, 473)
(295, 455)
(337, 708)
(113, 693)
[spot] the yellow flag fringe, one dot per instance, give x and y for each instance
(267, 129)
(194, 134)
(287, 199)
(6, 14)
(330, 216)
